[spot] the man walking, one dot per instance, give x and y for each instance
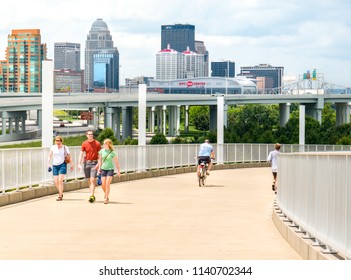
(91, 148)
(273, 160)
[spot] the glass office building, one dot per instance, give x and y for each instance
(178, 36)
(223, 69)
(101, 55)
(22, 69)
(273, 75)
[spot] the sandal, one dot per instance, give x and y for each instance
(106, 200)
(59, 198)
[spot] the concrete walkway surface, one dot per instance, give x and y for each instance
(163, 218)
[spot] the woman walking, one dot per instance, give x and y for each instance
(58, 153)
(107, 157)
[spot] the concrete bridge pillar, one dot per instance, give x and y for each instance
(3, 118)
(315, 110)
(164, 118)
(10, 125)
(186, 121)
(342, 113)
(152, 119)
(284, 113)
(127, 122)
(108, 117)
(116, 122)
(213, 117)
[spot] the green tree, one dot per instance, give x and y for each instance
(107, 133)
(199, 117)
(158, 139)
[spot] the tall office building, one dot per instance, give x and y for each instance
(101, 59)
(178, 36)
(200, 48)
(67, 56)
(22, 69)
(273, 75)
(223, 69)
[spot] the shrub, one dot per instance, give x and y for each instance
(158, 139)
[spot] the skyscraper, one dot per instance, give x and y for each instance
(273, 74)
(178, 36)
(21, 71)
(101, 58)
(201, 49)
(223, 69)
(67, 56)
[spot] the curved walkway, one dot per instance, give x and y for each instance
(163, 218)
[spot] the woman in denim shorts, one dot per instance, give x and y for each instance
(107, 161)
(59, 168)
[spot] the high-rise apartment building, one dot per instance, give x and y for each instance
(67, 56)
(178, 36)
(22, 69)
(223, 69)
(101, 58)
(167, 64)
(273, 74)
(171, 64)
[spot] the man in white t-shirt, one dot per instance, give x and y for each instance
(273, 159)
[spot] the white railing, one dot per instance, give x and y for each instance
(314, 192)
(27, 167)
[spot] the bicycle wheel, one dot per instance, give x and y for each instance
(203, 177)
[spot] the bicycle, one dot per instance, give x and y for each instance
(203, 173)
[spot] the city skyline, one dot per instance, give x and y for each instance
(297, 35)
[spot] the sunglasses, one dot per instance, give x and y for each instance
(90, 134)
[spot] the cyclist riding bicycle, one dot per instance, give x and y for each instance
(205, 154)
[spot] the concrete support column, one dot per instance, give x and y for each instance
(315, 110)
(164, 118)
(24, 123)
(178, 120)
(17, 127)
(127, 122)
(302, 128)
(152, 120)
(4, 118)
(116, 122)
(108, 117)
(159, 120)
(220, 129)
(39, 118)
(186, 122)
(225, 116)
(47, 102)
(142, 128)
(342, 113)
(10, 125)
(213, 117)
(284, 113)
(171, 123)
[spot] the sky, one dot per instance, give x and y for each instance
(299, 35)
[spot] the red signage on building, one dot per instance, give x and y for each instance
(86, 116)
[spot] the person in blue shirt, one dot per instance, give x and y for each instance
(206, 152)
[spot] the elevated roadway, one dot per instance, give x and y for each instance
(20, 102)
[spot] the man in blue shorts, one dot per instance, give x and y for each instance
(205, 154)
